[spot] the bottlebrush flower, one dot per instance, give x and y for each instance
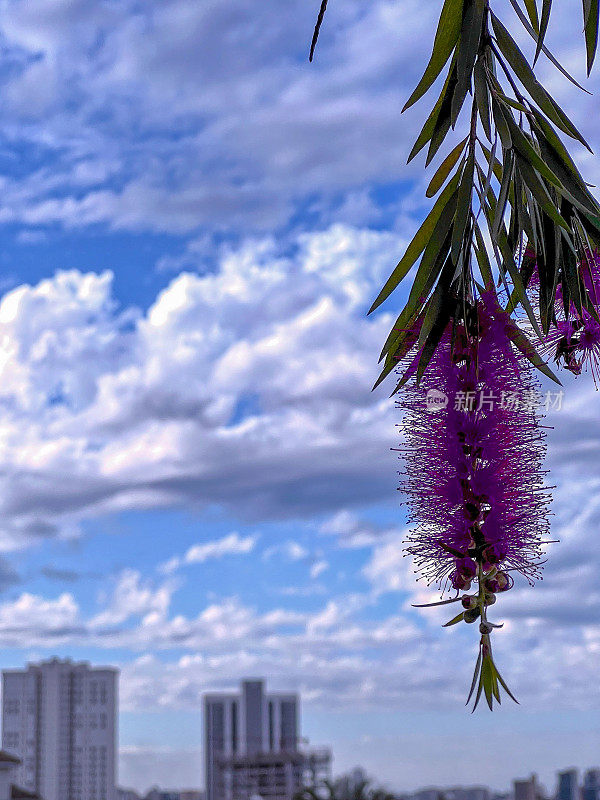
(574, 341)
(478, 508)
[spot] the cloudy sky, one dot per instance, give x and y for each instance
(196, 480)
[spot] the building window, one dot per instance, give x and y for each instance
(271, 726)
(234, 727)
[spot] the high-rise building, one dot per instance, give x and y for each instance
(591, 785)
(251, 745)
(59, 718)
(526, 789)
(568, 785)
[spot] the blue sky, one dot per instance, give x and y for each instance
(197, 482)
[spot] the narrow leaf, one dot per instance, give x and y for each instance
(417, 245)
(482, 98)
(540, 192)
(475, 676)
(463, 207)
(445, 168)
(522, 343)
(545, 51)
(532, 13)
(317, 30)
(539, 95)
(482, 259)
(507, 175)
(429, 127)
(505, 687)
(591, 34)
(455, 620)
(546, 8)
(445, 40)
(468, 48)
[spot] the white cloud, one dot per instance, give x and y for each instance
(104, 410)
(318, 568)
(232, 544)
(290, 550)
(133, 597)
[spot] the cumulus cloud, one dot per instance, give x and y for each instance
(252, 131)
(232, 544)
(103, 409)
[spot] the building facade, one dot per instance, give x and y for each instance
(591, 785)
(251, 746)
(60, 719)
(568, 785)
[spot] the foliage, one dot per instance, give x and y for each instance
(344, 788)
(510, 182)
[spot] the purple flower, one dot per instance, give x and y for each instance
(574, 341)
(473, 470)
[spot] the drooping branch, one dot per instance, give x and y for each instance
(511, 172)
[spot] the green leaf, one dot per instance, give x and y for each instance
(505, 687)
(468, 47)
(433, 257)
(429, 127)
(545, 51)
(401, 339)
(445, 168)
(393, 358)
(591, 34)
(439, 312)
(501, 125)
(522, 343)
(532, 12)
(482, 259)
(507, 175)
(445, 40)
(519, 292)
(539, 191)
(475, 676)
(417, 245)
(546, 8)
(455, 620)
(482, 97)
(555, 142)
(442, 123)
(439, 603)
(492, 161)
(524, 220)
(570, 186)
(539, 95)
(529, 153)
(463, 207)
(315, 37)
(486, 679)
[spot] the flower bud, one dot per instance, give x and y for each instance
(485, 627)
(471, 615)
(466, 567)
(495, 553)
(469, 601)
(489, 599)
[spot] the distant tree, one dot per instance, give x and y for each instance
(344, 788)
